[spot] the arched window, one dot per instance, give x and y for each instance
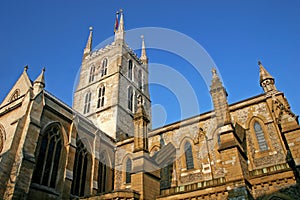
(79, 170)
(2, 137)
(102, 174)
(104, 67)
(48, 156)
(188, 156)
(87, 103)
(128, 171)
(140, 77)
(101, 95)
(130, 69)
(260, 137)
(15, 95)
(130, 98)
(92, 74)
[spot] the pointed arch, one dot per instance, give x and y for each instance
(188, 152)
(48, 156)
(103, 71)
(87, 102)
(101, 96)
(260, 136)
(130, 69)
(15, 95)
(92, 73)
(128, 171)
(256, 126)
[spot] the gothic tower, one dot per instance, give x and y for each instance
(111, 79)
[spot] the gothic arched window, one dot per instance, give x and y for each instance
(92, 74)
(87, 103)
(104, 67)
(128, 171)
(130, 98)
(188, 156)
(102, 174)
(15, 95)
(140, 77)
(101, 95)
(260, 137)
(130, 69)
(48, 156)
(79, 170)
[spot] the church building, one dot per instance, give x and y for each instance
(104, 147)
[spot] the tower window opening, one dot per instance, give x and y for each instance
(130, 99)
(130, 69)
(92, 74)
(104, 67)
(101, 97)
(87, 103)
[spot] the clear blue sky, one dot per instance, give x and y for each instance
(236, 34)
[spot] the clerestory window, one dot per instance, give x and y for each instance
(49, 152)
(188, 156)
(79, 170)
(260, 137)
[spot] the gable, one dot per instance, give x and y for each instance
(20, 88)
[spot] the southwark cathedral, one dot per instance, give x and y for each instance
(103, 147)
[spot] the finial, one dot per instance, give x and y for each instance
(259, 63)
(44, 69)
(214, 72)
(26, 68)
(91, 28)
(142, 36)
(121, 10)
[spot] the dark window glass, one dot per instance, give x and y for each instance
(104, 67)
(92, 74)
(79, 171)
(260, 137)
(189, 156)
(130, 98)
(101, 95)
(128, 170)
(87, 103)
(130, 69)
(48, 157)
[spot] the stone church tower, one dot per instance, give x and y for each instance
(111, 80)
(104, 147)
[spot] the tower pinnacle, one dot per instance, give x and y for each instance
(120, 33)
(267, 82)
(219, 98)
(39, 83)
(144, 57)
(88, 47)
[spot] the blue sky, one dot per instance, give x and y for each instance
(236, 34)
